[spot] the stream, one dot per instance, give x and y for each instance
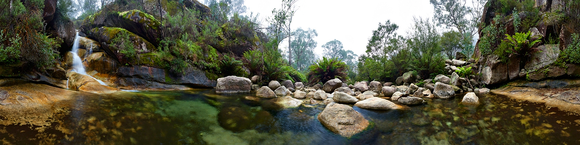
(193, 117)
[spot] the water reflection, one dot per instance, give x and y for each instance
(202, 117)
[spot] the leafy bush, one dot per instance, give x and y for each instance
(230, 66)
(491, 33)
(125, 46)
(464, 71)
(572, 53)
(327, 69)
(9, 53)
(520, 43)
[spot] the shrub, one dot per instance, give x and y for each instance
(572, 53)
(230, 66)
(124, 44)
(520, 43)
(491, 33)
(327, 69)
(9, 53)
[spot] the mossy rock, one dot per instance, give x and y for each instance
(135, 21)
(107, 34)
(235, 119)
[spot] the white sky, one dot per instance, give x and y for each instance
(350, 22)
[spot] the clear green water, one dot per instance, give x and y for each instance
(193, 117)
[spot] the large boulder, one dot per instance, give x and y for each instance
(423, 93)
(341, 97)
(135, 21)
(299, 94)
(403, 89)
(62, 27)
(443, 91)
(408, 77)
(494, 71)
(107, 37)
(84, 83)
(233, 84)
(274, 84)
(196, 5)
(265, 92)
(546, 55)
(288, 84)
(345, 90)
(281, 91)
(388, 91)
(320, 95)
(442, 78)
(330, 85)
(145, 77)
(410, 100)
(470, 99)
(342, 119)
(396, 96)
(454, 79)
(456, 62)
(375, 86)
(361, 86)
(299, 85)
(376, 103)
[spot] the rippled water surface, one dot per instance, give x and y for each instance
(193, 117)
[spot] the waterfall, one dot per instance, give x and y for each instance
(77, 65)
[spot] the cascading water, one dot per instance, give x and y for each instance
(77, 65)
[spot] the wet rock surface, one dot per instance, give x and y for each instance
(233, 84)
(342, 119)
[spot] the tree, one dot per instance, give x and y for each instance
(303, 48)
(332, 49)
(290, 8)
(456, 14)
(423, 42)
(379, 43)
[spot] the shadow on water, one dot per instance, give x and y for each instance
(193, 117)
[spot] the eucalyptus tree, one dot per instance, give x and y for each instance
(303, 48)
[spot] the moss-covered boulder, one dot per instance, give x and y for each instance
(122, 44)
(135, 21)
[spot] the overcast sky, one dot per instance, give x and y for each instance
(350, 22)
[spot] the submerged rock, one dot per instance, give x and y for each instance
(330, 85)
(265, 92)
(376, 103)
(470, 99)
(288, 102)
(233, 84)
(235, 119)
(443, 91)
(342, 119)
(341, 97)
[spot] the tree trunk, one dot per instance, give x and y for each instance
(289, 44)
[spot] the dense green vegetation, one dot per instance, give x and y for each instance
(327, 69)
(23, 38)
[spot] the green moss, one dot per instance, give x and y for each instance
(144, 18)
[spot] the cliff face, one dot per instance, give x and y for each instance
(550, 22)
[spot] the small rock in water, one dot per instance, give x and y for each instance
(470, 99)
(411, 100)
(341, 97)
(396, 96)
(342, 119)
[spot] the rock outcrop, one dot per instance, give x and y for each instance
(342, 119)
(86, 83)
(233, 84)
